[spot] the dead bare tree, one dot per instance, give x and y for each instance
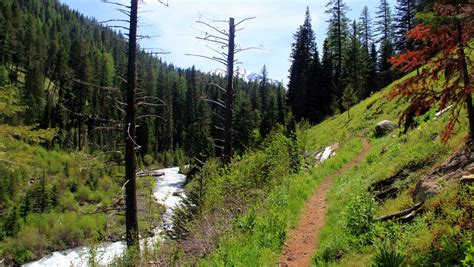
(131, 147)
(225, 49)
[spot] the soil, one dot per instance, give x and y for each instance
(304, 239)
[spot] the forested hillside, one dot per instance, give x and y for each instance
(70, 71)
(63, 89)
(372, 136)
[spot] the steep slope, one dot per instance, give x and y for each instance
(385, 183)
(351, 234)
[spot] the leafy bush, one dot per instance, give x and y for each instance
(387, 256)
(360, 214)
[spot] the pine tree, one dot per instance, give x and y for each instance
(197, 140)
(365, 29)
(385, 39)
(337, 35)
(405, 12)
(384, 22)
(355, 66)
(327, 79)
(301, 56)
(315, 93)
(372, 81)
(264, 86)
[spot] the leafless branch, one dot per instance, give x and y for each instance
(116, 26)
(114, 20)
(213, 41)
(150, 97)
(248, 48)
(124, 11)
(219, 60)
(215, 102)
(149, 104)
(223, 54)
(223, 32)
(218, 86)
(242, 21)
(218, 116)
(116, 3)
(137, 147)
(149, 116)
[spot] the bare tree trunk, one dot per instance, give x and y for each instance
(466, 80)
(229, 94)
(130, 157)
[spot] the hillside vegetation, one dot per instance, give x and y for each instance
(233, 226)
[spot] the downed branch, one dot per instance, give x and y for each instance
(404, 214)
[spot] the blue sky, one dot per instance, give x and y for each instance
(273, 28)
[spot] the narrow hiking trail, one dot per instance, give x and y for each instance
(302, 241)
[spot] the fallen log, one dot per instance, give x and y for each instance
(467, 179)
(404, 214)
(150, 173)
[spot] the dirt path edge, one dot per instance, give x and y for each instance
(304, 239)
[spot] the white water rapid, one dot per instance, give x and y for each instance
(166, 186)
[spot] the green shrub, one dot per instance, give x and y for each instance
(387, 256)
(148, 160)
(360, 214)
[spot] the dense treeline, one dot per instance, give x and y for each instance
(62, 88)
(354, 60)
(70, 72)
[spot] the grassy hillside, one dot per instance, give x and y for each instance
(255, 228)
(351, 237)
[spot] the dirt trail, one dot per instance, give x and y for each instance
(302, 240)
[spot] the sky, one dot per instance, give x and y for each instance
(174, 29)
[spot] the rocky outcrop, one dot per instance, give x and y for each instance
(384, 127)
(458, 166)
(426, 189)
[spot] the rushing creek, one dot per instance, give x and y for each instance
(165, 190)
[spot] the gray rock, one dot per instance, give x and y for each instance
(384, 127)
(426, 189)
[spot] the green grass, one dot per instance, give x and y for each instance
(350, 236)
(257, 236)
(389, 154)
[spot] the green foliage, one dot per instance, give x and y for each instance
(9, 103)
(387, 256)
(274, 200)
(360, 213)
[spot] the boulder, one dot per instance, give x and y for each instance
(426, 188)
(384, 127)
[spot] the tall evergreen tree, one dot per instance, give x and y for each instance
(384, 31)
(315, 94)
(327, 78)
(301, 56)
(365, 29)
(372, 81)
(405, 12)
(266, 124)
(355, 66)
(337, 34)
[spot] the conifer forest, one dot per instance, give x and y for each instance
(359, 154)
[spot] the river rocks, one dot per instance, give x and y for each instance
(384, 127)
